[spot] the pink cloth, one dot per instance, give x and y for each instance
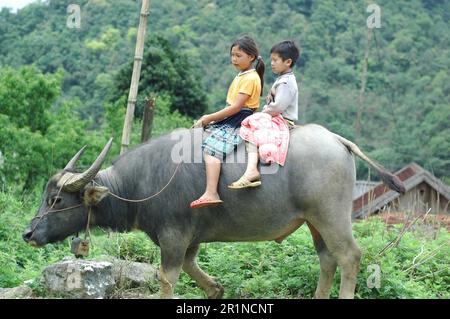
(270, 134)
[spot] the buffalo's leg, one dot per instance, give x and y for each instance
(339, 240)
(328, 265)
(212, 289)
(172, 257)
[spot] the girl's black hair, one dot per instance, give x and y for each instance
(248, 45)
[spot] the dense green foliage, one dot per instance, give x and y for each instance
(249, 270)
(35, 142)
(165, 72)
(405, 113)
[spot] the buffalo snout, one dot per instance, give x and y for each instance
(27, 234)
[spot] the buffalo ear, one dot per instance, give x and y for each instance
(92, 195)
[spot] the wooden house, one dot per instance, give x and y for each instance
(423, 191)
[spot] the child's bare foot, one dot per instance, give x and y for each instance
(205, 200)
(210, 196)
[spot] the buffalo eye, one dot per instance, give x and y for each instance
(54, 200)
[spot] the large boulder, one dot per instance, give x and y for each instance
(77, 278)
(21, 292)
(133, 274)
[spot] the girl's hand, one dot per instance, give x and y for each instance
(198, 124)
(203, 121)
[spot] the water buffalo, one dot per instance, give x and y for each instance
(315, 186)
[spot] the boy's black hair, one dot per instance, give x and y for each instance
(287, 50)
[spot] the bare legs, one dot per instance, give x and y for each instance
(212, 165)
(251, 173)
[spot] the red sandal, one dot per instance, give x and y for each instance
(199, 203)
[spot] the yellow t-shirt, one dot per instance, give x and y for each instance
(247, 82)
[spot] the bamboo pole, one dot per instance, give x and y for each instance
(132, 96)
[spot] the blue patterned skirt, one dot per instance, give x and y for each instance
(224, 136)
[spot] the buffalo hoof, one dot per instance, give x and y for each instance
(217, 292)
(279, 240)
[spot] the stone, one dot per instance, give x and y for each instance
(134, 274)
(21, 292)
(77, 278)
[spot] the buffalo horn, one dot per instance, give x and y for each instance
(74, 182)
(72, 162)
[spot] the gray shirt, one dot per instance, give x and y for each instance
(285, 97)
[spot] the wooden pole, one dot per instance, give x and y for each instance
(132, 96)
(147, 119)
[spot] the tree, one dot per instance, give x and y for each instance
(165, 71)
(26, 96)
(31, 136)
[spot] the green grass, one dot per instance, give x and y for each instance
(246, 270)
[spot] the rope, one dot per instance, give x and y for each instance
(147, 198)
(56, 210)
(87, 233)
(112, 194)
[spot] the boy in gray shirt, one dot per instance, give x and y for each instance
(283, 96)
(282, 99)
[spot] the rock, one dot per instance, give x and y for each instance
(21, 292)
(77, 278)
(133, 274)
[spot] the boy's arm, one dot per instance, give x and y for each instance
(283, 97)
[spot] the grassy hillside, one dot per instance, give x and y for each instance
(405, 110)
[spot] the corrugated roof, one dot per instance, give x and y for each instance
(362, 187)
(379, 195)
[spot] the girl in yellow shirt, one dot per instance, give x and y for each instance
(242, 100)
